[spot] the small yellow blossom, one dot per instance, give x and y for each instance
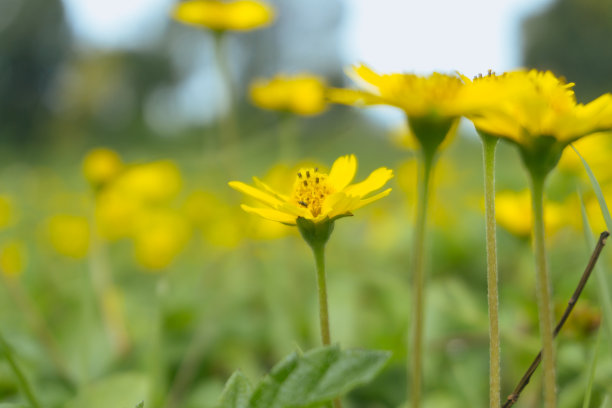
(100, 166)
(155, 181)
(217, 15)
(317, 196)
(69, 235)
(219, 222)
(300, 94)
(6, 211)
(513, 212)
(161, 235)
(538, 112)
(13, 258)
(437, 94)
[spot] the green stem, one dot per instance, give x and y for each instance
(319, 254)
(489, 145)
(229, 130)
(21, 378)
(415, 357)
(543, 291)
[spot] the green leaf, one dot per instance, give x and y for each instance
(319, 375)
(597, 189)
(118, 391)
(12, 405)
(236, 393)
(141, 405)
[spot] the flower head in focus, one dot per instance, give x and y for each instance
(538, 112)
(300, 94)
(433, 104)
(217, 15)
(317, 196)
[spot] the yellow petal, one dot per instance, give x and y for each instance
(372, 199)
(353, 97)
(376, 180)
(255, 193)
(337, 204)
(270, 214)
(269, 189)
(342, 172)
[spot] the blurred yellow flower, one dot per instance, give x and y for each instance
(513, 212)
(596, 150)
(317, 196)
(219, 223)
(6, 211)
(69, 235)
(217, 15)
(300, 94)
(100, 166)
(115, 213)
(13, 258)
(161, 235)
(155, 182)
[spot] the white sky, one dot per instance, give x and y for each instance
(391, 35)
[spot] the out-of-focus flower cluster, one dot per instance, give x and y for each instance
(147, 205)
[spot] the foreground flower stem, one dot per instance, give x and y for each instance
(415, 357)
(5, 349)
(319, 254)
(543, 290)
(489, 144)
(229, 131)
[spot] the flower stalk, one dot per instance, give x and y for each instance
(415, 358)
(489, 145)
(543, 289)
(229, 129)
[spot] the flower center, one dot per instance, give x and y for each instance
(310, 189)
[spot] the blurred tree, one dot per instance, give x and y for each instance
(571, 38)
(33, 43)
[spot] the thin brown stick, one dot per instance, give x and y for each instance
(513, 397)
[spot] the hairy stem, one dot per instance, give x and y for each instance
(489, 145)
(543, 292)
(415, 357)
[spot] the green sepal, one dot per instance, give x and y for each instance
(541, 155)
(316, 234)
(430, 131)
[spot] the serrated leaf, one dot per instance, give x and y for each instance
(319, 375)
(117, 391)
(236, 393)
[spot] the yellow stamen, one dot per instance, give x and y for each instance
(310, 192)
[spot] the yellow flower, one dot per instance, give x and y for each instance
(317, 196)
(433, 104)
(13, 258)
(513, 212)
(300, 94)
(157, 181)
(538, 112)
(238, 15)
(69, 235)
(161, 235)
(100, 166)
(437, 94)
(6, 211)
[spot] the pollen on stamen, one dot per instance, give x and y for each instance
(305, 183)
(299, 174)
(307, 174)
(302, 203)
